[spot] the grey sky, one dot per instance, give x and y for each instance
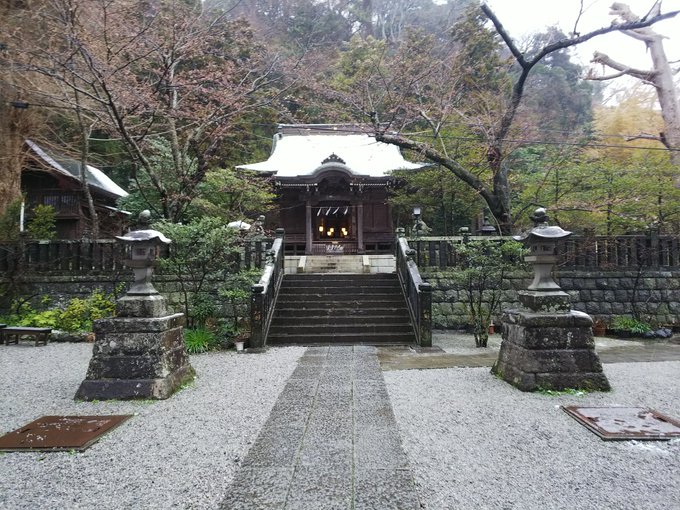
(523, 17)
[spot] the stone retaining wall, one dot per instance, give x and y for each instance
(654, 294)
(62, 288)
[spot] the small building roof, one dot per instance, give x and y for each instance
(71, 168)
(301, 150)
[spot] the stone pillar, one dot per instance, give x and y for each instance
(308, 228)
(548, 348)
(425, 320)
(360, 228)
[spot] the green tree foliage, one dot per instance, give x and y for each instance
(42, 223)
(205, 256)
(608, 188)
(9, 222)
(446, 204)
(557, 99)
(233, 194)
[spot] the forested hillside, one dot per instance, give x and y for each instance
(167, 97)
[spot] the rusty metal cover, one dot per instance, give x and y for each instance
(60, 433)
(622, 423)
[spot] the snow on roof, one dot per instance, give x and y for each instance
(301, 155)
(71, 168)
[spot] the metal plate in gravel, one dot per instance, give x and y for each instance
(60, 433)
(623, 423)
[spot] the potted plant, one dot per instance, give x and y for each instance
(242, 335)
(599, 328)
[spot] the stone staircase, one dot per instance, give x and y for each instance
(334, 308)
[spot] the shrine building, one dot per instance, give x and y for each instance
(332, 185)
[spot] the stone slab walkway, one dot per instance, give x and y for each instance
(331, 441)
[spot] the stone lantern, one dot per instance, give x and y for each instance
(546, 345)
(139, 353)
(543, 294)
(144, 250)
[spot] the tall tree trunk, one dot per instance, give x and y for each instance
(13, 128)
(85, 132)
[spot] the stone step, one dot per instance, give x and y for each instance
(344, 321)
(296, 313)
(341, 284)
(358, 300)
(340, 277)
(339, 329)
(338, 339)
(322, 290)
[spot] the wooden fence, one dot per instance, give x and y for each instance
(100, 256)
(607, 253)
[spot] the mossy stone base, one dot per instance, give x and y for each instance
(137, 358)
(549, 352)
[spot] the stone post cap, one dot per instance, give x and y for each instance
(541, 228)
(139, 236)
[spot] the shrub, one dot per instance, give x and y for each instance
(43, 223)
(485, 266)
(200, 340)
(76, 316)
(630, 325)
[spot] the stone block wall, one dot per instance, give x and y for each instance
(602, 294)
(655, 295)
(62, 288)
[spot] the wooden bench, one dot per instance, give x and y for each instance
(11, 334)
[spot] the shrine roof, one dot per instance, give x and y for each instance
(71, 168)
(300, 151)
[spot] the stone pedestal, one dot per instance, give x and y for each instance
(548, 346)
(137, 357)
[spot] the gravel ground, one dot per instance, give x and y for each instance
(177, 453)
(475, 442)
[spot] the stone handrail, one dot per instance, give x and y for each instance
(418, 293)
(264, 293)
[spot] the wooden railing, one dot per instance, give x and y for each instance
(418, 293)
(65, 203)
(104, 255)
(264, 293)
(62, 256)
(606, 253)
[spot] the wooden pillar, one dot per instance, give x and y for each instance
(360, 228)
(308, 228)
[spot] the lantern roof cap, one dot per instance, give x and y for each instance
(137, 236)
(541, 228)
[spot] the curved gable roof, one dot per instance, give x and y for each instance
(299, 155)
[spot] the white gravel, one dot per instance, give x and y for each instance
(475, 442)
(177, 453)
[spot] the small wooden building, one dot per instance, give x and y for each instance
(54, 180)
(332, 184)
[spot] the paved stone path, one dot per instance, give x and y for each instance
(404, 358)
(331, 441)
